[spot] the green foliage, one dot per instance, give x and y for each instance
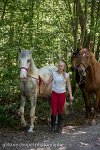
(45, 26)
(41, 26)
(6, 119)
(43, 109)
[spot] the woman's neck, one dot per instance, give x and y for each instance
(60, 72)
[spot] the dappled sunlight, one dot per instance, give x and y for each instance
(79, 133)
(49, 144)
(71, 137)
(85, 145)
(67, 129)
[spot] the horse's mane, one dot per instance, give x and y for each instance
(93, 58)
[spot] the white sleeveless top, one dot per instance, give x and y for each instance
(59, 83)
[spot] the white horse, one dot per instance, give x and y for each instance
(30, 85)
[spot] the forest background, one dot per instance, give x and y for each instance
(53, 29)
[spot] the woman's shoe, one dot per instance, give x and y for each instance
(53, 129)
(59, 124)
(58, 129)
(53, 123)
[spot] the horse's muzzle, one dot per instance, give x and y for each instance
(82, 72)
(23, 79)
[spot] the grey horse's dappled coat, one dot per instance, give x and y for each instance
(30, 85)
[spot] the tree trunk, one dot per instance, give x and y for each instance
(97, 53)
(82, 21)
(75, 24)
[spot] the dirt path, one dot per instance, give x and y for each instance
(73, 137)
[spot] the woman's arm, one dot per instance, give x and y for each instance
(69, 89)
(50, 80)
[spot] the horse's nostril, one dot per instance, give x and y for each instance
(82, 70)
(23, 79)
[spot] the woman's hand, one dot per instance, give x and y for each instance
(49, 81)
(71, 98)
(46, 82)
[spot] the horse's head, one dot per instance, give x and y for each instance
(75, 58)
(24, 63)
(85, 61)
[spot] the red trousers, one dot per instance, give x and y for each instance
(57, 102)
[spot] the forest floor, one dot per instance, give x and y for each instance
(74, 136)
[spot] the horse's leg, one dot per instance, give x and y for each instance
(98, 106)
(32, 112)
(95, 107)
(87, 106)
(21, 111)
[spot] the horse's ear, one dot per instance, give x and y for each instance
(91, 46)
(77, 50)
(30, 51)
(19, 49)
(81, 47)
(90, 49)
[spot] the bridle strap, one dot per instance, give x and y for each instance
(29, 75)
(82, 64)
(38, 79)
(33, 77)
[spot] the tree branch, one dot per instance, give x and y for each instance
(4, 9)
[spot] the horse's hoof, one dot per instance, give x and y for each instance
(24, 124)
(86, 122)
(30, 130)
(18, 113)
(93, 122)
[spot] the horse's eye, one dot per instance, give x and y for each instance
(28, 60)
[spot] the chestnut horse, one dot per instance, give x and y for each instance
(89, 68)
(30, 86)
(84, 83)
(75, 59)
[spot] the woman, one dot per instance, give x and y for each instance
(60, 78)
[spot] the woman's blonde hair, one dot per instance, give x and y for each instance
(65, 68)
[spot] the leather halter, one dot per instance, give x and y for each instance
(33, 77)
(38, 79)
(83, 65)
(29, 75)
